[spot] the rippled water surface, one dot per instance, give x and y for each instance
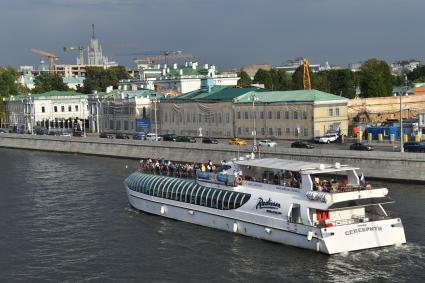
(66, 218)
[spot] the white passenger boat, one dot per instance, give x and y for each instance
(322, 207)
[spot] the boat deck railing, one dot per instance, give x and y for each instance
(175, 174)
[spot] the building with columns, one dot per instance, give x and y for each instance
(227, 112)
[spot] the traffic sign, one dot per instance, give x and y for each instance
(254, 148)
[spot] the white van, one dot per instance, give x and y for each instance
(152, 137)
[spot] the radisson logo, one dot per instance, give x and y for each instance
(267, 204)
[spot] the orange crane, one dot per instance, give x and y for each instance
(306, 75)
(80, 60)
(52, 57)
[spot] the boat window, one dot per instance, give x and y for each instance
(192, 193)
(225, 200)
(213, 199)
(198, 195)
(218, 201)
(230, 203)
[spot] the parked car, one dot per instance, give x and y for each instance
(301, 144)
(185, 139)
(209, 140)
(66, 134)
(328, 138)
(267, 143)
(121, 136)
(2, 131)
(169, 137)
(78, 134)
(152, 137)
(414, 147)
(237, 141)
(53, 133)
(106, 135)
(138, 136)
(361, 146)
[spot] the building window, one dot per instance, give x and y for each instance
(76, 108)
(180, 117)
(337, 112)
(295, 115)
(277, 114)
(55, 109)
(270, 114)
(288, 131)
(239, 115)
(43, 109)
(219, 118)
(263, 131)
(246, 130)
(246, 115)
(62, 108)
(125, 125)
(305, 115)
(118, 125)
(262, 115)
(239, 131)
(194, 118)
(199, 118)
(287, 115)
(279, 132)
(227, 118)
(69, 108)
(270, 131)
(331, 112)
(296, 132)
(166, 117)
(212, 118)
(111, 124)
(305, 132)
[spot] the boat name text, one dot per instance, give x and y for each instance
(363, 229)
(269, 204)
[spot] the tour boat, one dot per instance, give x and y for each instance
(322, 207)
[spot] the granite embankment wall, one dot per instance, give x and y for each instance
(377, 164)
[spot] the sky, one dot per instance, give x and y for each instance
(225, 33)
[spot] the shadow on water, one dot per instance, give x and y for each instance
(66, 218)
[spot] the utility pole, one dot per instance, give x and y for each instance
(401, 124)
(253, 98)
(155, 100)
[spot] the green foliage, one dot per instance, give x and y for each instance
(342, 82)
(417, 74)
(263, 77)
(98, 78)
(375, 78)
(320, 81)
(245, 80)
(47, 82)
(8, 85)
(298, 78)
(419, 80)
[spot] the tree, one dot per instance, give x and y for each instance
(375, 78)
(98, 78)
(47, 82)
(417, 74)
(245, 79)
(263, 77)
(342, 82)
(8, 85)
(320, 81)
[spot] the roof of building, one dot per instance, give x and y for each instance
(216, 93)
(139, 93)
(243, 95)
(73, 80)
(47, 95)
(291, 96)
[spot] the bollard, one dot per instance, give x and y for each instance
(405, 138)
(392, 138)
(369, 137)
(359, 136)
(380, 137)
(417, 138)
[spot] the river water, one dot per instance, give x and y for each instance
(66, 218)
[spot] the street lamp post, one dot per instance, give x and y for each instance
(155, 101)
(401, 124)
(253, 98)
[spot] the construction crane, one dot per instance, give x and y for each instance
(52, 57)
(306, 75)
(80, 60)
(153, 56)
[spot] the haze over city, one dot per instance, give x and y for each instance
(227, 33)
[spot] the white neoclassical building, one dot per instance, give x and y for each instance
(54, 109)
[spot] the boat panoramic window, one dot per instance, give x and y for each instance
(201, 200)
(213, 199)
(230, 201)
(225, 200)
(199, 192)
(192, 193)
(183, 191)
(207, 199)
(218, 200)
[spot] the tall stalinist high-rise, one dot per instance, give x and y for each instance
(94, 51)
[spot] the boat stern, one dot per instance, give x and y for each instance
(360, 236)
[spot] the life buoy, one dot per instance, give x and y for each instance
(238, 180)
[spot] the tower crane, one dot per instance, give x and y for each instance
(52, 57)
(152, 56)
(80, 60)
(306, 75)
